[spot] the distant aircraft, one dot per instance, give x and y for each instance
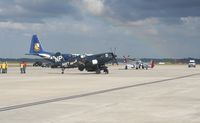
(88, 62)
(137, 64)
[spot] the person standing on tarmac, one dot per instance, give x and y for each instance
(6, 69)
(3, 67)
(23, 67)
(0, 67)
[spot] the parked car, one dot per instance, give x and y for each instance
(192, 63)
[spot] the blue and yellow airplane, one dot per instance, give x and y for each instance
(55, 58)
(82, 62)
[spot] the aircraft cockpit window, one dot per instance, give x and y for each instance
(109, 55)
(101, 56)
(82, 56)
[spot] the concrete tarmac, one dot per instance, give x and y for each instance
(165, 94)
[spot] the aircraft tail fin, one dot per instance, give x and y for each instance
(36, 46)
(152, 63)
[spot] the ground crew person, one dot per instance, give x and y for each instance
(6, 70)
(21, 67)
(3, 66)
(0, 68)
(24, 67)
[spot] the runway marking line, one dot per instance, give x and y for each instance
(14, 107)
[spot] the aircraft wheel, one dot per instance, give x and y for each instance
(106, 71)
(98, 71)
(81, 67)
(126, 67)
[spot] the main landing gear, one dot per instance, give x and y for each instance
(104, 69)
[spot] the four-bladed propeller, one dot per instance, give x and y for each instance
(114, 59)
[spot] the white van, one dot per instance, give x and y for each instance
(191, 63)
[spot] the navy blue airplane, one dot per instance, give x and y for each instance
(55, 58)
(88, 62)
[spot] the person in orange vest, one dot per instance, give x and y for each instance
(23, 67)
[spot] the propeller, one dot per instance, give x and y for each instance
(81, 63)
(114, 60)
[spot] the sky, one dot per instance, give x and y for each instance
(139, 28)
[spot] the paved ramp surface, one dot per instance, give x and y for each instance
(165, 94)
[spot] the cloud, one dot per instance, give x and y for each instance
(12, 25)
(134, 10)
(190, 20)
(35, 11)
(145, 22)
(140, 28)
(96, 7)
